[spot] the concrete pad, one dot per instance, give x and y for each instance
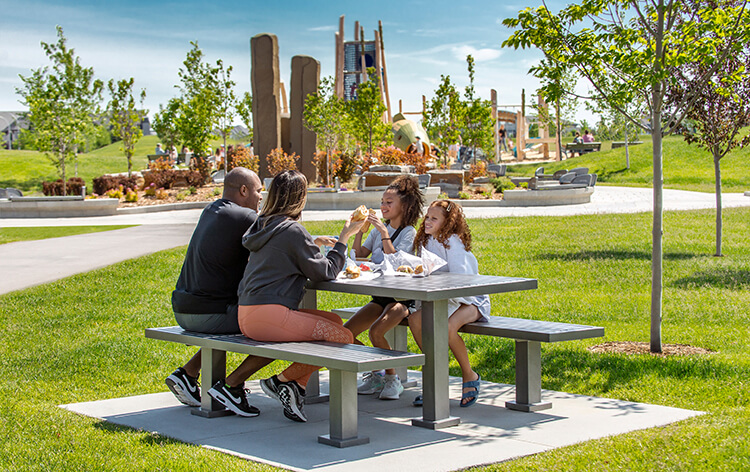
(488, 432)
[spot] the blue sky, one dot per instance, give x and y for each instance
(149, 40)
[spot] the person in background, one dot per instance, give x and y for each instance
(588, 137)
(159, 150)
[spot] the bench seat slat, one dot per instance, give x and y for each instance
(517, 328)
(348, 357)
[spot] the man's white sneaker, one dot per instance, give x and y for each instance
(372, 382)
(392, 388)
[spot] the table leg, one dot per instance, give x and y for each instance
(528, 378)
(436, 408)
(342, 411)
(312, 391)
(213, 369)
(398, 338)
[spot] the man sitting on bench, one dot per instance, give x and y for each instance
(205, 299)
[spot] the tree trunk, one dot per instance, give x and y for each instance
(717, 173)
(62, 172)
(130, 162)
(657, 231)
(558, 130)
(226, 155)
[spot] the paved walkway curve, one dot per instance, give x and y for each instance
(36, 262)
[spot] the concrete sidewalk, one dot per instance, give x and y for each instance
(488, 432)
(29, 263)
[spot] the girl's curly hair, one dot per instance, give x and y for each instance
(455, 223)
(412, 200)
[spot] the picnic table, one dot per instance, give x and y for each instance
(582, 148)
(434, 292)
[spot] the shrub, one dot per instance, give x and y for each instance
(443, 196)
(344, 165)
(193, 178)
(160, 178)
(200, 165)
(476, 170)
(161, 194)
(180, 196)
(192, 190)
(241, 157)
(368, 161)
(74, 185)
(131, 196)
(216, 192)
(162, 163)
(419, 161)
(279, 161)
(502, 183)
(524, 185)
(463, 195)
(114, 193)
(150, 191)
(109, 182)
(390, 155)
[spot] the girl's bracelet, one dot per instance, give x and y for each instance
(385, 239)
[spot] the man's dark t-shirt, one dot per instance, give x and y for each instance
(215, 260)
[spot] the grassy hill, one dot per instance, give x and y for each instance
(26, 170)
(685, 167)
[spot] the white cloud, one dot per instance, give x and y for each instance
(479, 55)
(323, 28)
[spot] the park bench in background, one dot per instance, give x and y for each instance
(528, 336)
(583, 148)
(343, 361)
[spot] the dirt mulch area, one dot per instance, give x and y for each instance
(630, 347)
(207, 193)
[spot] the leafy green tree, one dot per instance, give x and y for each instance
(564, 105)
(62, 102)
(200, 102)
(165, 123)
(125, 117)
(245, 110)
(478, 130)
(443, 115)
(325, 114)
(722, 110)
(226, 101)
(638, 47)
(366, 113)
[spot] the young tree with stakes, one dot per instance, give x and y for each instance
(62, 102)
(638, 46)
(125, 117)
(165, 123)
(443, 115)
(366, 112)
(325, 114)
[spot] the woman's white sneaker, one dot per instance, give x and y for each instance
(392, 389)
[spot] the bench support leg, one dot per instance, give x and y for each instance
(312, 390)
(398, 338)
(528, 378)
(342, 411)
(436, 412)
(213, 369)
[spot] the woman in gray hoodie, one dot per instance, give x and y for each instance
(283, 256)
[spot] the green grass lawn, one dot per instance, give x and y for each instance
(81, 339)
(685, 167)
(10, 235)
(26, 170)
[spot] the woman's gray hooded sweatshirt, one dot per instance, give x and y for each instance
(283, 256)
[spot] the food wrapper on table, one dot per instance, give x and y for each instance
(404, 264)
(359, 270)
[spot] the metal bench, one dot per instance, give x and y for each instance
(343, 361)
(528, 336)
(582, 148)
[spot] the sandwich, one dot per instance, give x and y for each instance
(366, 226)
(352, 272)
(405, 269)
(360, 213)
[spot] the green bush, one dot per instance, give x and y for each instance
(502, 183)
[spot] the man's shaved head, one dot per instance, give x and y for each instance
(242, 186)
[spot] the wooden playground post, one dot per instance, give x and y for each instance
(385, 72)
(340, 59)
(543, 128)
(493, 96)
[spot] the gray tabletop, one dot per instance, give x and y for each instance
(438, 286)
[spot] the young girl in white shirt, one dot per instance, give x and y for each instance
(445, 233)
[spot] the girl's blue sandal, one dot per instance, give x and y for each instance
(472, 395)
